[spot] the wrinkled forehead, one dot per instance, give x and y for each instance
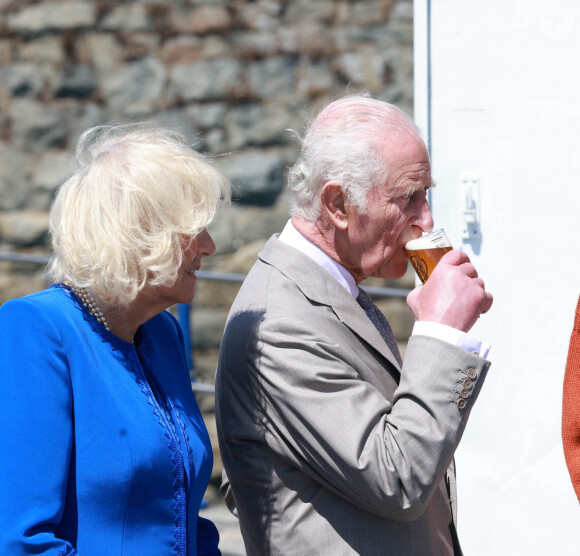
(407, 162)
(401, 147)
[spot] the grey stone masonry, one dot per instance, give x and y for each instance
(233, 75)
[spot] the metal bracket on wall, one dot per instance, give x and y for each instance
(470, 214)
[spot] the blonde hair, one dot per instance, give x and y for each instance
(118, 222)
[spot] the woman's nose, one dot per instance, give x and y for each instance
(205, 243)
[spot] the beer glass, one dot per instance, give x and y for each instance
(425, 252)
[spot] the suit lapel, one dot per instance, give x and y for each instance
(352, 315)
(320, 287)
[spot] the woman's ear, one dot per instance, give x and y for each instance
(334, 205)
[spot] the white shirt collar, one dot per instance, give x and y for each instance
(291, 236)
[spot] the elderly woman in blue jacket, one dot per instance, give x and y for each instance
(103, 450)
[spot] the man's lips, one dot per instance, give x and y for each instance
(411, 237)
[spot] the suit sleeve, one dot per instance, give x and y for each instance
(571, 406)
(36, 439)
(321, 415)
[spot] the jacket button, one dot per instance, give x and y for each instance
(467, 383)
(461, 403)
(471, 374)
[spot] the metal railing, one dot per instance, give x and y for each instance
(183, 311)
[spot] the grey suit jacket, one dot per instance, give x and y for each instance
(329, 447)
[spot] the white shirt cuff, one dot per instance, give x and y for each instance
(452, 336)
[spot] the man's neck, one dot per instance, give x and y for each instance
(319, 234)
(304, 239)
(326, 237)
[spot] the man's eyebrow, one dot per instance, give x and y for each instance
(412, 189)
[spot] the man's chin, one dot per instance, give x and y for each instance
(399, 273)
(393, 271)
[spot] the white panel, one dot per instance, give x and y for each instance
(505, 107)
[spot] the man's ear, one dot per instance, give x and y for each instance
(334, 205)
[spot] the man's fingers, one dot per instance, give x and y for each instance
(488, 302)
(487, 297)
(459, 260)
(455, 257)
(469, 270)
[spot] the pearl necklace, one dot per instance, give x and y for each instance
(89, 302)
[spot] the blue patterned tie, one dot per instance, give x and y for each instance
(380, 322)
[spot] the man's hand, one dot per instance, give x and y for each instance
(453, 295)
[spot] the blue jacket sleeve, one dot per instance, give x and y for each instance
(207, 538)
(37, 431)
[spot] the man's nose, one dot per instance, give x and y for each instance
(425, 217)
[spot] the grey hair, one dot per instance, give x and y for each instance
(344, 144)
(117, 223)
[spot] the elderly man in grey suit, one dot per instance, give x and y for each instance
(332, 445)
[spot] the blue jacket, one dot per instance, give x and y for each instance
(103, 450)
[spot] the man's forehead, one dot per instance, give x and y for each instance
(411, 178)
(402, 189)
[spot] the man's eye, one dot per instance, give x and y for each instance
(417, 194)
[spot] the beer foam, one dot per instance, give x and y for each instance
(431, 240)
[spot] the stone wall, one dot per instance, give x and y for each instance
(233, 75)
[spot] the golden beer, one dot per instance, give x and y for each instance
(426, 251)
